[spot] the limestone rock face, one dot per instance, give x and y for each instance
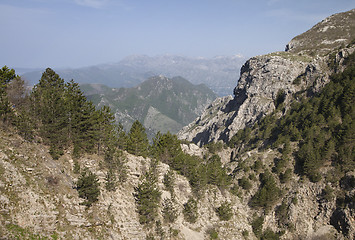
(305, 65)
(262, 77)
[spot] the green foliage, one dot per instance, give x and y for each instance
(245, 183)
(245, 234)
(268, 234)
(216, 173)
(257, 225)
(137, 142)
(190, 210)
(165, 147)
(88, 187)
(281, 213)
(169, 181)
(258, 165)
(147, 196)
(268, 192)
(225, 211)
(170, 213)
(280, 98)
(212, 232)
(64, 117)
(116, 161)
(214, 147)
(76, 168)
(242, 136)
(6, 75)
(327, 193)
(286, 176)
(322, 126)
(110, 179)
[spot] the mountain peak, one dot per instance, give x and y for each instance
(333, 32)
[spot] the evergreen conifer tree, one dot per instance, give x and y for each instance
(50, 109)
(147, 196)
(137, 142)
(6, 75)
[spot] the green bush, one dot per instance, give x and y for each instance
(257, 226)
(88, 187)
(245, 183)
(225, 211)
(169, 181)
(170, 213)
(268, 192)
(212, 232)
(190, 210)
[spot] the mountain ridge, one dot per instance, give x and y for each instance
(160, 103)
(218, 73)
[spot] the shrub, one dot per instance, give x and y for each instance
(268, 192)
(224, 211)
(190, 210)
(327, 193)
(286, 176)
(169, 179)
(281, 214)
(257, 225)
(88, 187)
(110, 181)
(245, 183)
(280, 98)
(212, 232)
(270, 235)
(170, 213)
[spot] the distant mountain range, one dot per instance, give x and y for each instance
(160, 103)
(219, 73)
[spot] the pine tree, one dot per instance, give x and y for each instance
(6, 75)
(50, 109)
(165, 147)
(105, 127)
(122, 138)
(147, 196)
(137, 142)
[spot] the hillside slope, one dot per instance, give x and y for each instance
(160, 103)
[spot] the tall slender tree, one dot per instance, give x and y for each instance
(6, 75)
(49, 106)
(137, 142)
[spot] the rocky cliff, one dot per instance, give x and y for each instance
(304, 64)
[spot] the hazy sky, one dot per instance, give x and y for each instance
(75, 33)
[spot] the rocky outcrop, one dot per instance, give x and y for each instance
(262, 78)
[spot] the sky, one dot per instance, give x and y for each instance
(78, 33)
